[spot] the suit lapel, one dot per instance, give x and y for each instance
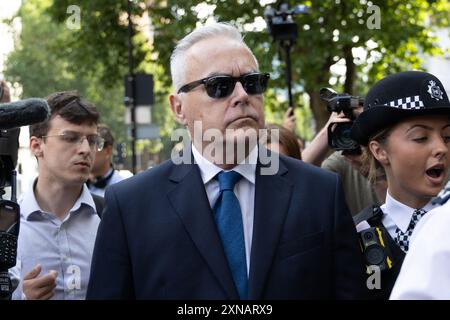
(272, 196)
(190, 201)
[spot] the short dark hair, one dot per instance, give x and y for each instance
(105, 132)
(71, 107)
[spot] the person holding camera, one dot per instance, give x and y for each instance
(103, 173)
(59, 217)
(405, 128)
(359, 192)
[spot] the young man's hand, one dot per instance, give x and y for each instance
(39, 288)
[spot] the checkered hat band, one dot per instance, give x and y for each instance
(407, 103)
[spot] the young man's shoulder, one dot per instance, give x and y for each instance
(149, 178)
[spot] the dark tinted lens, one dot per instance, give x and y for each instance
(255, 83)
(220, 86)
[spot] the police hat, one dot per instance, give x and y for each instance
(397, 97)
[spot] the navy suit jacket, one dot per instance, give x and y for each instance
(158, 239)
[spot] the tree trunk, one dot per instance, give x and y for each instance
(318, 108)
(350, 74)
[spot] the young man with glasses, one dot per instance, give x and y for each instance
(218, 227)
(58, 215)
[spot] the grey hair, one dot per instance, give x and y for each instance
(177, 59)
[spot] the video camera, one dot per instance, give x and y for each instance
(13, 116)
(280, 22)
(339, 133)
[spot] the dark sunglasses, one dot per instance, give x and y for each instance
(222, 86)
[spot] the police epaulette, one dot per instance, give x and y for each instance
(440, 200)
(371, 214)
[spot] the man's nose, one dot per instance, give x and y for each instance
(84, 145)
(239, 92)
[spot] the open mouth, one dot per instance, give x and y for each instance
(436, 172)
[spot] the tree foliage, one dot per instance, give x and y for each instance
(330, 35)
(42, 63)
(335, 47)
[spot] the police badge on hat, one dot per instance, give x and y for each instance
(435, 91)
(396, 97)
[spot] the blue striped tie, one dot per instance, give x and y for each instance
(228, 216)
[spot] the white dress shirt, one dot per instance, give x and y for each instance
(397, 214)
(244, 190)
(65, 246)
(116, 177)
(425, 272)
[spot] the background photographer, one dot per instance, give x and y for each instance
(359, 192)
(103, 173)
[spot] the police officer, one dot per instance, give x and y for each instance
(405, 128)
(425, 273)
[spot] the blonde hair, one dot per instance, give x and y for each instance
(371, 167)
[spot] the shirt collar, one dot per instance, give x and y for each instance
(400, 213)
(29, 204)
(209, 170)
(109, 172)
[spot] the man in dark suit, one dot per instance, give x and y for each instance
(225, 226)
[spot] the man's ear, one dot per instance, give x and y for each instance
(379, 152)
(36, 146)
(177, 109)
(109, 150)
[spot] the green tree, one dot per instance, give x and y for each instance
(41, 64)
(333, 33)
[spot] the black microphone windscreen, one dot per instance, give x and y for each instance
(23, 113)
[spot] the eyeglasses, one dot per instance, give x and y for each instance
(222, 86)
(72, 138)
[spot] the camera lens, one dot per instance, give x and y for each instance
(368, 236)
(374, 255)
(340, 137)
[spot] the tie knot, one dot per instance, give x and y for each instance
(227, 180)
(417, 214)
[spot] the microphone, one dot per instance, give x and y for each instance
(23, 113)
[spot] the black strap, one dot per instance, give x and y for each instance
(371, 214)
(101, 182)
(99, 204)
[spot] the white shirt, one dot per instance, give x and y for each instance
(65, 246)
(116, 177)
(244, 190)
(425, 272)
(397, 214)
